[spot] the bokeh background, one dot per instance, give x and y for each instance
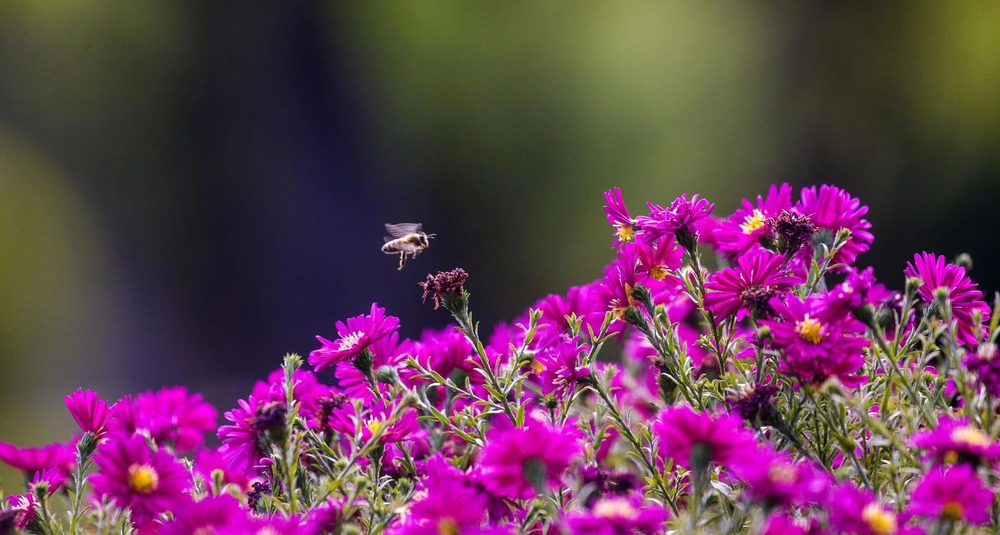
(190, 189)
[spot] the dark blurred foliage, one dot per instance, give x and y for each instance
(190, 189)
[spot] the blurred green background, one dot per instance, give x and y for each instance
(190, 189)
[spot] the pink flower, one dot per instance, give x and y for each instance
(749, 287)
(745, 228)
(955, 441)
(213, 514)
(681, 216)
(445, 486)
(136, 478)
(774, 479)
(355, 336)
(954, 494)
(815, 346)
(619, 515)
(561, 367)
(173, 417)
(37, 459)
(695, 439)
(241, 440)
(965, 299)
(832, 209)
(89, 411)
(852, 510)
(521, 462)
(618, 216)
(386, 352)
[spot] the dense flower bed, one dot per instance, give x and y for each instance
(783, 391)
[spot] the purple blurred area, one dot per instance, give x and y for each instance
(189, 190)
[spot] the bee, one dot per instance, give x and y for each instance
(405, 239)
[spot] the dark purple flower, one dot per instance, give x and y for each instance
(955, 441)
(356, 335)
(89, 411)
(759, 276)
(680, 216)
(694, 439)
(815, 346)
(832, 209)
(966, 300)
(618, 216)
(791, 231)
(743, 230)
(136, 478)
(619, 515)
(519, 462)
(954, 494)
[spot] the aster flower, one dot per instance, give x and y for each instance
(660, 258)
(306, 390)
(791, 231)
(89, 410)
(754, 405)
(744, 230)
(852, 510)
(355, 336)
(521, 462)
(695, 439)
(445, 351)
(956, 441)
(561, 370)
(388, 351)
(985, 364)
(618, 216)
(832, 209)
(324, 519)
(23, 509)
(775, 480)
(213, 514)
(966, 301)
(815, 346)
(242, 442)
(620, 280)
(584, 302)
(677, 220)
(619, 515)
(749, 287)
(139, 479)
(858, 289)
(209, 460)
(374, 418)
(435, 513)
(953, 494)
(172, 417)
(36, 459)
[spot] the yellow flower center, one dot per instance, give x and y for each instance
(349, 341)
(753, 222)
(810, 330)
(615, 508)
(142, 478)
(952, 511)
(447, 526)
(374, 425)
(970, 436)
(881, 521)
(625, 232)
(658, 272)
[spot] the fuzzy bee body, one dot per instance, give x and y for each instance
(405, 239)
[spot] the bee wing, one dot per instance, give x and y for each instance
(399, 230)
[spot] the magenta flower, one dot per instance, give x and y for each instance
(852, 510)
(173, 417)
(694, 439)
(445, 486)
(241, 441)
(23, 507)
(619, 515)
(307, 390)
(660, 259)
(745, 228)
(954, 494)
(207, 461)
(213, 514)
(759, 276)
(357, 335)
(985, 364)
(955, 441)
(89, 411)
(374, 418)
(324, 519)
(36, 459)
(521, 462)
(561, 367)
(817, 347)
(620, 279)
(385, 352)
(445, 351)
(832, 209)
(775, 480)
(136, 478)
(583, 301)
(859, 289)
(618, 216)
(682, 215)
(965, 299)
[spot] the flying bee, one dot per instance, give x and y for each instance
(405, 239)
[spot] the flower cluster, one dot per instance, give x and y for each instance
(763, 383)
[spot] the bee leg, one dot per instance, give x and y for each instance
(402, 260)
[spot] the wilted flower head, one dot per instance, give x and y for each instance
(445, 282)
(520, 462)
(954, 493)
(134, 477)
(791, 230)
(965, 299)
(356, 335)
